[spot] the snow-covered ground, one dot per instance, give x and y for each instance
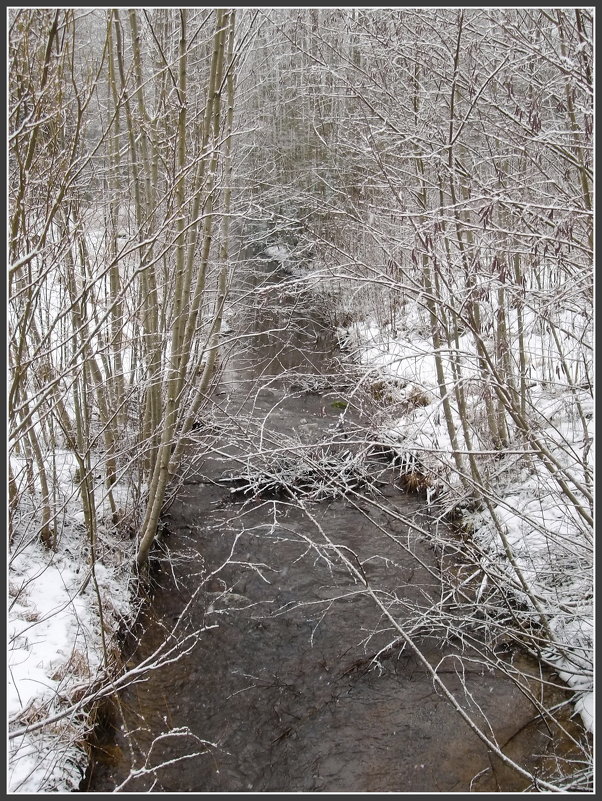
(551, 545)
(55, 645)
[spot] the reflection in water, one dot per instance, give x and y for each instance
(298, 680)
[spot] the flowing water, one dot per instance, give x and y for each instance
(296, 677)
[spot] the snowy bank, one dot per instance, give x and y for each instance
(550, 545)
(62, 620)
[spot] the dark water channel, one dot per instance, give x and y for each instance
(298, 680)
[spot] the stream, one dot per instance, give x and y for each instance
(287, 606)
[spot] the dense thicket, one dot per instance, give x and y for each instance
(121, 127)
(434, 167)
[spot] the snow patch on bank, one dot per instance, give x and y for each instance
(277, 253)
(55, 643)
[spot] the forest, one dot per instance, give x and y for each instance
(295, 264)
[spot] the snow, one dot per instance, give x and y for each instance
(277, 253)
(55, 643)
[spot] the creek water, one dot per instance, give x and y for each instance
(294, 676)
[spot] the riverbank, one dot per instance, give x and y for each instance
(63, 623)
(547, 559)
